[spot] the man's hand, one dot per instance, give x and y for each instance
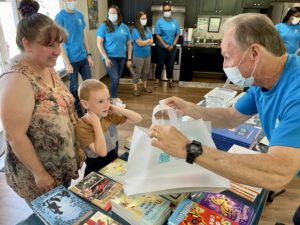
(181, 106)
(169, 139)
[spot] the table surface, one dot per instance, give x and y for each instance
(258, 206)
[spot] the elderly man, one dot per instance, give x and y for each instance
(254, 55)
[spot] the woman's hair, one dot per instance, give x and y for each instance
(141, 29)
(109, 24)
(28, 7)
(89, 85)
(34, 25)
(255, 28)
(292, 11)
(166, 3)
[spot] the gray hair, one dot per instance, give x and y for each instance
(256, 28)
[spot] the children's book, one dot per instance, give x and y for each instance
(97, 189)
(141, 209)
(244, 135)
(100, 219)
(189, 212)
(228, 207)
(115, 170)
(176, 198)
(59, 206)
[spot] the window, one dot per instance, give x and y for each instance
(8, 22)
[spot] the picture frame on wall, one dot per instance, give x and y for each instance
(93, 14)
(214, 24)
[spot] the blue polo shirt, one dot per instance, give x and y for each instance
(290, 35)
(141, 51)
(168, 30)
(115, 43)
(279, 107)
(74, 24)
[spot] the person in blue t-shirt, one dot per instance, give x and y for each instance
(113, 41)
(142, 40)
(75, 51)
(254, 55)
(289, 30)
(167, 34)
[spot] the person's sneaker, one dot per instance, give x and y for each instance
(118, 102)
(147, 90)
(136, 93)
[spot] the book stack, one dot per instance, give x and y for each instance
(244, 135)
(141, 209)
(115, 170)
(189, 212)
(228, 207)
(245, 191)
(97, 189)
(61, 207)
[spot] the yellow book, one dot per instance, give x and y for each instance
(116, 170)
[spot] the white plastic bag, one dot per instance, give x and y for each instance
(151, 170)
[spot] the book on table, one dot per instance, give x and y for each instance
(189, 212)
(245, 191)
(100, 219)
(141, 209)
(228, 207)
(244, 135)
(176, 198)
(115, 170)
(59, 206)
(97, 189)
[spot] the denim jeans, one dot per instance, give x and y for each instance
(164, 57)
(115, 72)
(83, 68)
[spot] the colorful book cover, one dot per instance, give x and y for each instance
(59, 206)
(97, 189)
(189, 212)
(101, 219)
(146, 209)
(244, 134)
(116, 170)
(228, 207)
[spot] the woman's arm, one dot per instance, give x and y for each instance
(102, 51)
(159, 38)
(16, 107)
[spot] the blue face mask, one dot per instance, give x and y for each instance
(71, 5)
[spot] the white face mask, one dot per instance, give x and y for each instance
(143, 22)
(71, 5)
(167, 14)
(295, 20)
(235, 76)
(113, 17)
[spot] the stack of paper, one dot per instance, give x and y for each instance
(244, 135)
(248, 192)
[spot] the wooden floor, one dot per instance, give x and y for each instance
(13, 209)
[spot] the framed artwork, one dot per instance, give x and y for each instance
(214, 24)
(93, 14)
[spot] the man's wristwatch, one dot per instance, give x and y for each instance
(89, 54)
(193, 150)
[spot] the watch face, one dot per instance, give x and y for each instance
(194, 150)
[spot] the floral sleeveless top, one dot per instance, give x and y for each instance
(51, 131)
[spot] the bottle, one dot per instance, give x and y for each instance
(204, 39)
